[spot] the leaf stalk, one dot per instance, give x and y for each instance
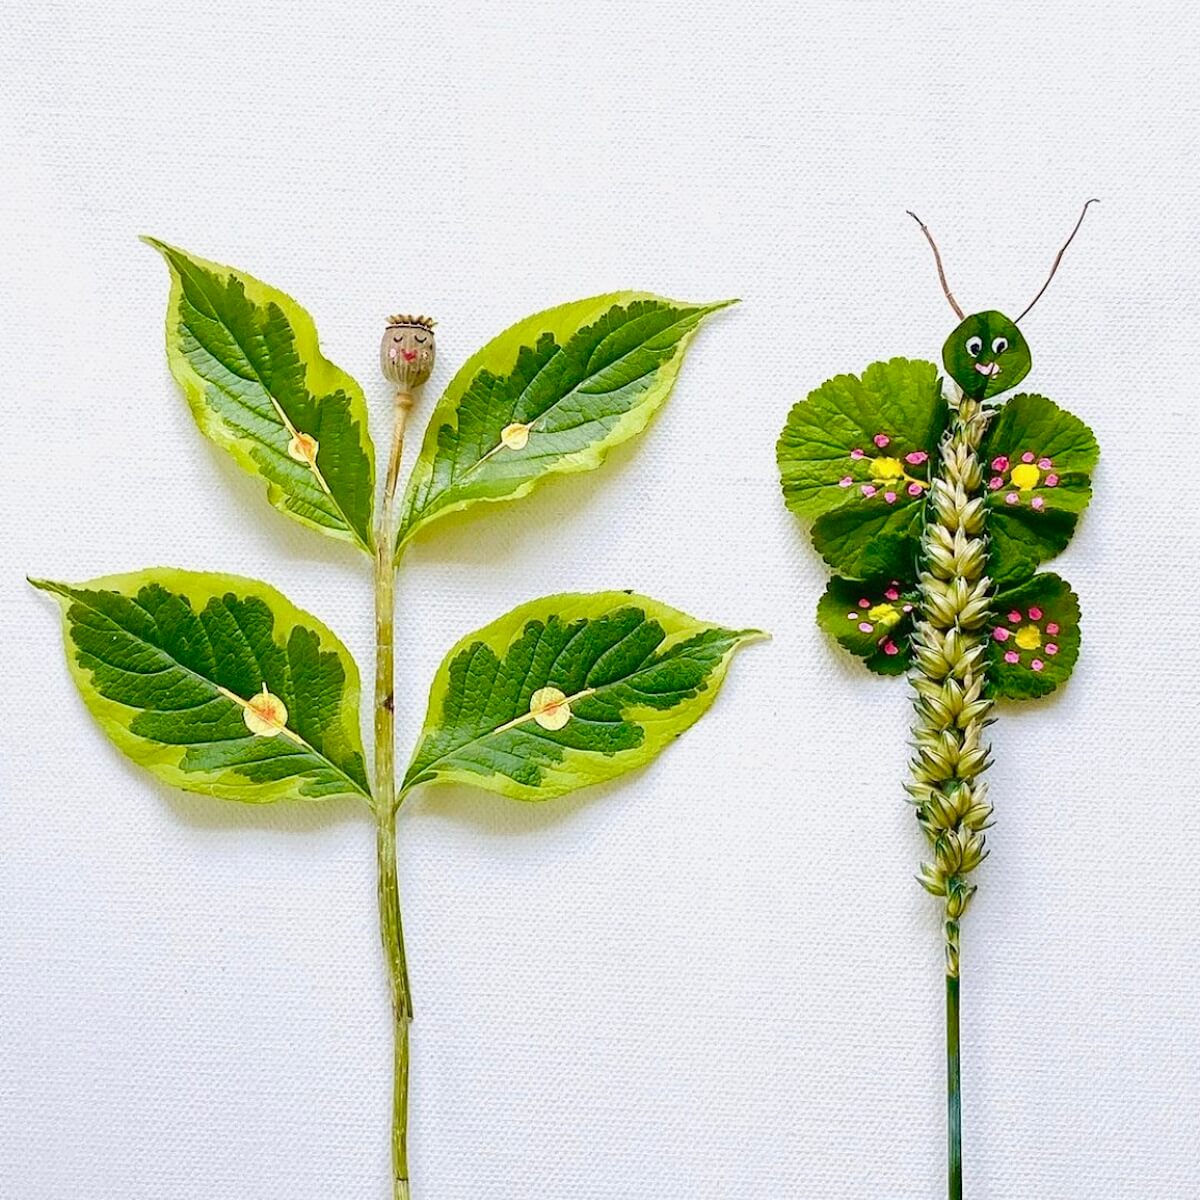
(390, 922)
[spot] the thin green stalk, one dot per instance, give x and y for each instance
(391, 927)
(953, 1090)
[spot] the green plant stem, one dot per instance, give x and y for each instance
(953, 1090)
(390, 925)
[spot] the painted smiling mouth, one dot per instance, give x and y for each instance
(990, 369)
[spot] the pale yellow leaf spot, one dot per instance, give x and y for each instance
(515, 437)
(550, 708)
(265, 714)
(1028, 637)
(1025, 476)
(303, 448)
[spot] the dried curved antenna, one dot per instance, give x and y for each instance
(937, 257)
(1058, 257)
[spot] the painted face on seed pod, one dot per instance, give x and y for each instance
(407, 351)
(986, 354)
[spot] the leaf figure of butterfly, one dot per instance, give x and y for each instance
(858, 455)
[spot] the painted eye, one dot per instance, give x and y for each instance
(974, 345)
(420, 340)
(999, 345)
(396, 338)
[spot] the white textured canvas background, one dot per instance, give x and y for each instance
(715, 978)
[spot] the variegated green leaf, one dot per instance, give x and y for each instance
(552, 395)
(569, 691)
(872, 620)
(1038, 460)
(216, 684)
(248, 361)
(857, 455)
(1034, 638)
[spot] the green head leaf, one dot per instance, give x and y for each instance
(987, 354)
(216, 684)
(551, 395)
(247, 358)
(858, 455)
(1037, 460)
(1034, 638)
(569, 691)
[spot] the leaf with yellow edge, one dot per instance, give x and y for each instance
(552, 395)
(569, 691)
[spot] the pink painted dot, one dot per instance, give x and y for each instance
(890, 647)
(916, 458)
(1012, 498)
(845, 481)
(1052, 648)
(908, 608)
(996, 482)
(856, 453)
(881, 440)
(1027, 456)
(866, 626)
(1052, 481)
(852, 616)
(890, 497)
(914, 489)
(1011, 656)
(1000, 463)
(1037, 503)
(1037, 664)
(1052, 627)
(868, 489)
(1035, 614)
(864, 603)
(1000, 634)
(892, 594)
(1014, 617)
(1045, 464)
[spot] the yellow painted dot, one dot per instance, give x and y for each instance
(1028, 637)
(883, 614)
(550, 708)
(1025, 476)
(265, 714)
(887, 468)
(515, 436)
(303, 448)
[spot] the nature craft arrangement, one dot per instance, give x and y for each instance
(933, 504)
(935, 513)
(217, 684)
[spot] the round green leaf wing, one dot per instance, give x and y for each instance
(216, 684)
(857, 455)
(1034, 638)
(569, 691)
(1038, 459)
(872, 620)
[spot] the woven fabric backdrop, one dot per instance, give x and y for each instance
(717, 977)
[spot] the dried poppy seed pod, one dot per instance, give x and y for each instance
(407, 351)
